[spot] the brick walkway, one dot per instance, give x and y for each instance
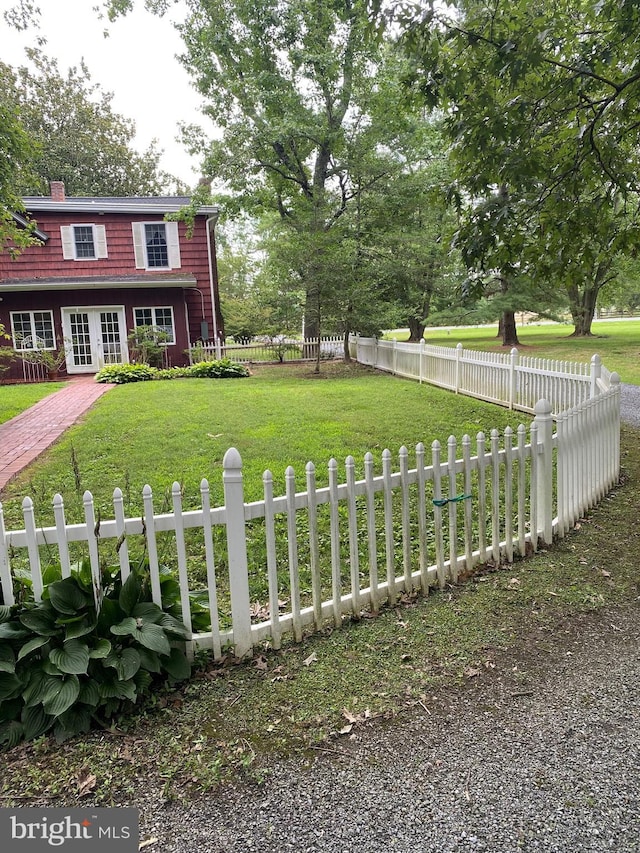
(26, 436)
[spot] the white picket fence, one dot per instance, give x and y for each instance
(508, 379)
(291, 562)
(277, 349)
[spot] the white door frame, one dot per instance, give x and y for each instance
(95, 342)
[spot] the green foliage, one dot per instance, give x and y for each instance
(146, 345)
(540, 110)
(222, 368)
(123, 373)
(65, 664)
(17, 150)
(172, 373)
(74, 135)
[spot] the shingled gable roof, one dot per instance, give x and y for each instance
(116, 204)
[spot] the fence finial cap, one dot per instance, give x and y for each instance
(542, 407)
(232, 459)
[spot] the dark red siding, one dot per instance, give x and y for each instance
(47, 262)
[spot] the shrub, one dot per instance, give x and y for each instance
(172, 373)
(122, 373)
(224, 368)
(64, 664)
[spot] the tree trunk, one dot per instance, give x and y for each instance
(583, 309)
(347, 354)
(583, 302)
(509, 331)
(416, 330)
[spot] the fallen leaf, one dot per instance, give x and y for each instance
(471, 672)
(345, 730)
(86, 782)
(313, 657)
(352, 718)
(261, 663)
(147, 843)
(605, 574)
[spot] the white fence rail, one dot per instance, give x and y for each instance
(277, 349)
(509, 379)
(284, 563)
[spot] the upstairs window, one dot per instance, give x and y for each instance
(83, 242)
(155, 237)
(32, 330)
(156, 245)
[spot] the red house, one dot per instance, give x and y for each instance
(101, 268)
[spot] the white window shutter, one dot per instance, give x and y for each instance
(173, 245)
(138, 245)
(66, 235)
(101, 241)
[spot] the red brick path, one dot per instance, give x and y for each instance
(26, 436)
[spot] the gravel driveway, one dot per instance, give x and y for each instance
(540, 754)
(630, 404)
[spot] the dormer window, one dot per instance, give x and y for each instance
(156, 245)
(83, 242)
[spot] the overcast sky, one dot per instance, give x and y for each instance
(137, 63)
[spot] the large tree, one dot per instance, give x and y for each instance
(541, 105)
(17, 151)
(286, 81)
(76, 135)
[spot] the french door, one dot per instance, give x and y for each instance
(94, 337)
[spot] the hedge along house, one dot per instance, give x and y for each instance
(102, 267)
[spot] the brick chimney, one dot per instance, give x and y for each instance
(57, 190)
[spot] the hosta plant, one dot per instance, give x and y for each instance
(64, 664)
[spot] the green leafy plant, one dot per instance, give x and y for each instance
(120, 374)
(147, 345)
(65, 664)
(223, 368)
(173, 373)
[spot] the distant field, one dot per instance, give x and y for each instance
(617, 342)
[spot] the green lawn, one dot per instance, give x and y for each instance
(158, 432)
(617, 342)
(14, 399)
(235, 719)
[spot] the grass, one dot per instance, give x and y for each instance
(617, 342)
(159, 432)
(14, 399)
(233, 720)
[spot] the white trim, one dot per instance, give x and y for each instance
(70, 245)
(173, 245)
(68, 248)
(32, 334)
(140, 245)
(153, 309)
(101, 205)
(188, 282)
(95, 333)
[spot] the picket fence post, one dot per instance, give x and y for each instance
(596, 373)
(513, 363)
(237, 552)
(458, 358)
(544, 471)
